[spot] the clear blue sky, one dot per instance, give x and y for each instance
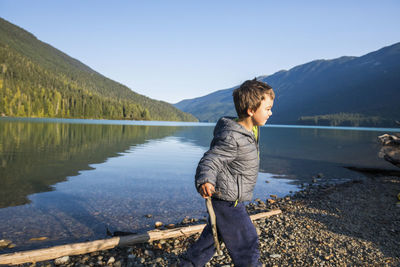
(173, 50)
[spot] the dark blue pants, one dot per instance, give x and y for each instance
(235, 229)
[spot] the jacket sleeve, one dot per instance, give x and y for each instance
(223, 150)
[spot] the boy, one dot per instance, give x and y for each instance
(230, 169)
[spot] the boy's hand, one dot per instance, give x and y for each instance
(206, 190)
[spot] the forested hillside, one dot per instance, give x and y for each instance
(37, 80)
(348, 91)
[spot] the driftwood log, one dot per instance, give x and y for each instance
(390, 150)
(104, 244)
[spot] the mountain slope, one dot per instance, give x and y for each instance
(344, 91)
(40, 81)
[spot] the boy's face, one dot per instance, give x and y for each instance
(261, 115)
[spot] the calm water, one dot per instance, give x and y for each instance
(68, 180)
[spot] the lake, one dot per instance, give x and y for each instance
(68, 180)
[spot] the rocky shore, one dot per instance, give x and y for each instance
(352, 224)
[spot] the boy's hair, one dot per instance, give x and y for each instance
(249, 96)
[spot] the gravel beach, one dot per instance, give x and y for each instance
(352, 224)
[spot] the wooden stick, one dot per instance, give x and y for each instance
(104, 244)
(213, 221)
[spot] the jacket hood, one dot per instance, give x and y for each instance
(229, 124)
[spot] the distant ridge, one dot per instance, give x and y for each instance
(37, 80)
(349, 91)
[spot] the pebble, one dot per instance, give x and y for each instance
(61, 260)
(42, 238)
(275, 256)
(111, 260)
(333, 227)
(170, 226)
(4, 243)
(149, 253)
(328, 257)
(185, 221)
(258, 230)
(158, 224)
(131, 257)
(12, 245)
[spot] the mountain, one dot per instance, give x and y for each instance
(37, 80)
(351, 91)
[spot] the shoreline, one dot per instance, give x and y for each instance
(391, 129)
(353, 223)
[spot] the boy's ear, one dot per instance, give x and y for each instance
(250, 112)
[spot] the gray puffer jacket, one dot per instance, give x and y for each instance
(231, 164)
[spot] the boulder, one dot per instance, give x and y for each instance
(390, 150)
(389, 140)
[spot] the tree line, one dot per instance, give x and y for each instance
(343, 119)
(28, 89)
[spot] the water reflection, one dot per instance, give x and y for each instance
(34, 156)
